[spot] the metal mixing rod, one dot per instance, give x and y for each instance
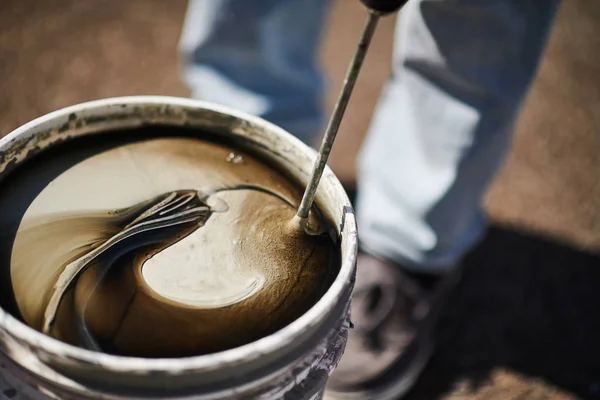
(376, 9)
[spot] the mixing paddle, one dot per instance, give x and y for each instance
(376, 9)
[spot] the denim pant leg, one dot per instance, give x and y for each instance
(443, 124)
(258, 56)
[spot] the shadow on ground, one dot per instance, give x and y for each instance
(524, 323)
(526, 304)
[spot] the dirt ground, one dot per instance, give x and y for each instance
(524, 323)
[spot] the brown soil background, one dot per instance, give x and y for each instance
(525, 321)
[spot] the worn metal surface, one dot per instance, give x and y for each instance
(338, 114)
(290, 364)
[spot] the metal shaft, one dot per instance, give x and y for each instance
(338, 113)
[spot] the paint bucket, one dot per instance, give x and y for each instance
(292, 363)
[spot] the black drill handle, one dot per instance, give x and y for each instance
(384, 6)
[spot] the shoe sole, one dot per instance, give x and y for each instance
(394, 391)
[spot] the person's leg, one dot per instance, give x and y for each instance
(443, 125)
(439, 133)
(258, 56)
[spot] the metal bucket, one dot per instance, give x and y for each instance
(292, 363)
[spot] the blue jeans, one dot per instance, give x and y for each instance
(461, 69)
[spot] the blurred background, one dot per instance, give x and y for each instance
(525, 321)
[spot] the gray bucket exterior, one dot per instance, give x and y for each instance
(293, 363)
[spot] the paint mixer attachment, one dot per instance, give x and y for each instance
(376, 9)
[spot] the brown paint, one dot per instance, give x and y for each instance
(160, 302)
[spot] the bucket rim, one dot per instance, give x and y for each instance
(20, 140)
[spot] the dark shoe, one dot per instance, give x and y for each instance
(394, 313)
